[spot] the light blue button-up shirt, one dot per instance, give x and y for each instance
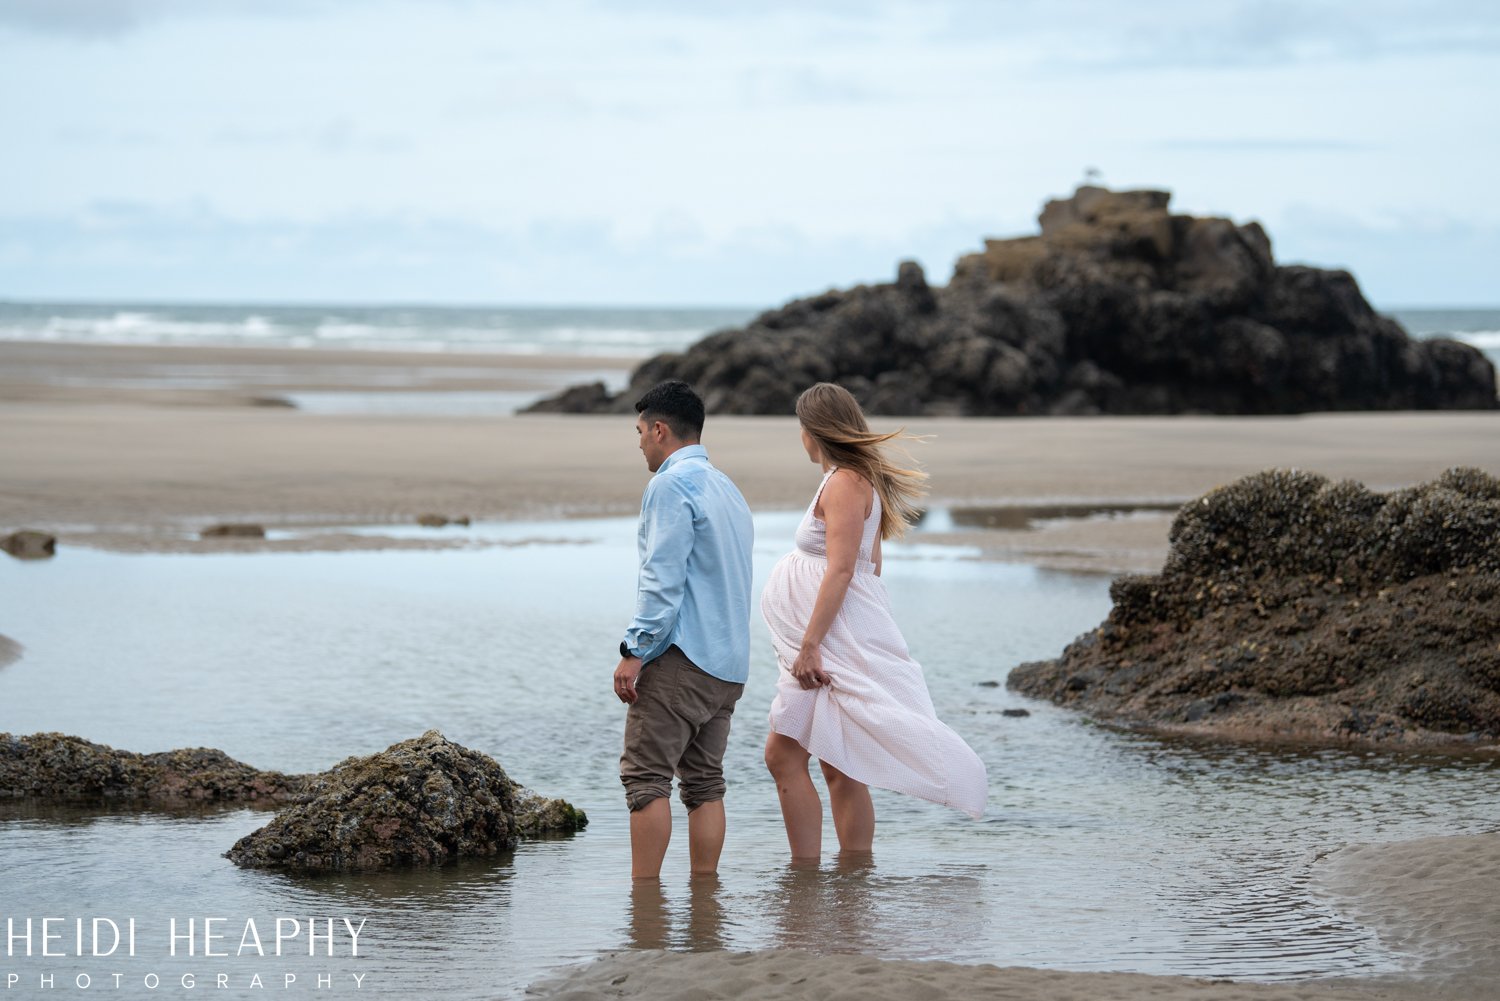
(695, 539)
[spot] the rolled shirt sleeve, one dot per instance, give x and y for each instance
(665, 540)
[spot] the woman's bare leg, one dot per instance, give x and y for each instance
(801, 809)
(853, 811)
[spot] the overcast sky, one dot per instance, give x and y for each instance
(702, 153)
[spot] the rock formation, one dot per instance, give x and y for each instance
(233, 531)
(1118, 306)
(58, 767)
(419, 802)
(442, 520)
(1295, 607)
(29, 545)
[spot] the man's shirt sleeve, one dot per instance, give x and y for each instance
(666, 539)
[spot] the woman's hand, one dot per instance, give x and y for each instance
(808, 669)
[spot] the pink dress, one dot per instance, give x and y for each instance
(875, 722)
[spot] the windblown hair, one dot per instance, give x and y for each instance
(831, 415)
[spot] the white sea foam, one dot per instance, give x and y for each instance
(619, 333)
(622, 333)
(129, 327)
(1484, 340)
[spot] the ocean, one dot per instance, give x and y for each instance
(631, 333)
(623, 332)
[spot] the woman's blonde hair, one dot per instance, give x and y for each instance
(831, 415)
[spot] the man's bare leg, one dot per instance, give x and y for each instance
(650, 833)
(706, 837)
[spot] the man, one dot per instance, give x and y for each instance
(685, 657)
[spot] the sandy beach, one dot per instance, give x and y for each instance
(221, 375)
(105, 463)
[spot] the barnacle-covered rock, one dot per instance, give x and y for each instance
(420, 802)
(1292, 606)
(56, 766)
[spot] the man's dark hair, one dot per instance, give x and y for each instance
(676, 405)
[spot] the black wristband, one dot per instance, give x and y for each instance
(625, 650)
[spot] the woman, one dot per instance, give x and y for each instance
(848, 691)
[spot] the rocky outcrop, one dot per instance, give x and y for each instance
(55, 766)
(1294, 607)
(233, 531)
(442, 520)
(29, 545)
(419, 802)
(1118, 306)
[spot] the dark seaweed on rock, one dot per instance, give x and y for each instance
(1118, 306)
(1293, 606)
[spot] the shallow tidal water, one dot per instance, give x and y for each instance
(1101, 850)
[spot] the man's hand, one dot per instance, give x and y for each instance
(626, 672)
(808, 668)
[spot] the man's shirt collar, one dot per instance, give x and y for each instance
(685, 452)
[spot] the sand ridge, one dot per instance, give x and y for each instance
(1436, 900)
(801, 976)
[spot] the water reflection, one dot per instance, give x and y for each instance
(826, 910)
(697, 926)
(1024, 517)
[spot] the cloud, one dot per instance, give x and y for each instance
(338, 136)
(1173, 34)
(1266, 145)
(1403, 259)
(86, 19)
(92, 20)
(134, 251)
(124, 138)
(802, 85)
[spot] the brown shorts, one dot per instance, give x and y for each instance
(678, 725)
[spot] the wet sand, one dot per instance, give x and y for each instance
(140, 469)
(198, 376)
(1435, 899)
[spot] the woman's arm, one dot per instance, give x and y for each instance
(844, 502)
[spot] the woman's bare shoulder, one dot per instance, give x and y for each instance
(847, 481)
(846, 488)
